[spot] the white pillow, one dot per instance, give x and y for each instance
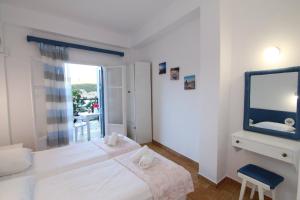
(14, 160)
(274, 126)
(17, 189)
(13, 146)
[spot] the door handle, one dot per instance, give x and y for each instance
(284, 155)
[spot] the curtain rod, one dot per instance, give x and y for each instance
(72, 45)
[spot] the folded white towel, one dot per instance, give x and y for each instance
(138, 154)
(146, 161)
(114, 134)
(112, 140)
(121, 137)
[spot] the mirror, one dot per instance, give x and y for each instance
(271, 102)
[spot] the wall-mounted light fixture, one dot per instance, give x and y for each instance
(272, 54)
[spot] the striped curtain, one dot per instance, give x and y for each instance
(52, 98)
(53, 52)
(56, 104)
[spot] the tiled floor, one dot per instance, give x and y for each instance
(204, 190)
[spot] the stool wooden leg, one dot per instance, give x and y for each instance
(273, 194)
(252, 191)
(243, 187)
(260, 192)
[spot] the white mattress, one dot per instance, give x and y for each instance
(107, 180)
(53, 161)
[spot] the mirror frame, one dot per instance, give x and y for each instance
(246, 125)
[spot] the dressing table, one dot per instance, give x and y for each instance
(278, 148)
(271, 116)
(275, 147)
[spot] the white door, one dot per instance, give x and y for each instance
(130, 83)
(143, 107)
(115, 99)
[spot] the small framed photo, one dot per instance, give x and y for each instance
(174, 73)
(190, 82)
(163, 68)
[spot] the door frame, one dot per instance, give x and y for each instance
(116, 127)
(101, 97)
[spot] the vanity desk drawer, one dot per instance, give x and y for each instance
(273, 151)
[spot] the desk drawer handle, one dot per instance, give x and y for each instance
(284, 155)
(237, 141)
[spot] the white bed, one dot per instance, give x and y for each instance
(72, 176)
(107, 180)
(50, 162)
(53, 161)
(113, 180)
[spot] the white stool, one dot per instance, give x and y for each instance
(261, 178)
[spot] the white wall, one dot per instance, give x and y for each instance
(4, 123)
(53, 24)
(18, 67)
(224, 84)
(176, 111)
(209, 132)
(257, 25)
(208, 107)
(172, 16)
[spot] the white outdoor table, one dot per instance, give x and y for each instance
(86, 117)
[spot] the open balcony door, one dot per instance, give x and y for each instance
(115, 99)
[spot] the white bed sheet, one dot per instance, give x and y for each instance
(107, 180)
(54, 161)
(58, 160)
(124, 145)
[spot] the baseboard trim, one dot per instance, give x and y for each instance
(222, 180)
(176, 153)
(227, 178)
(211, 182)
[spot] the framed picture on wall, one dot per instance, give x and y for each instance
(190, 82)
(174, 73)
(163, 68)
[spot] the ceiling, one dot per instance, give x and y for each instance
(124, 16)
